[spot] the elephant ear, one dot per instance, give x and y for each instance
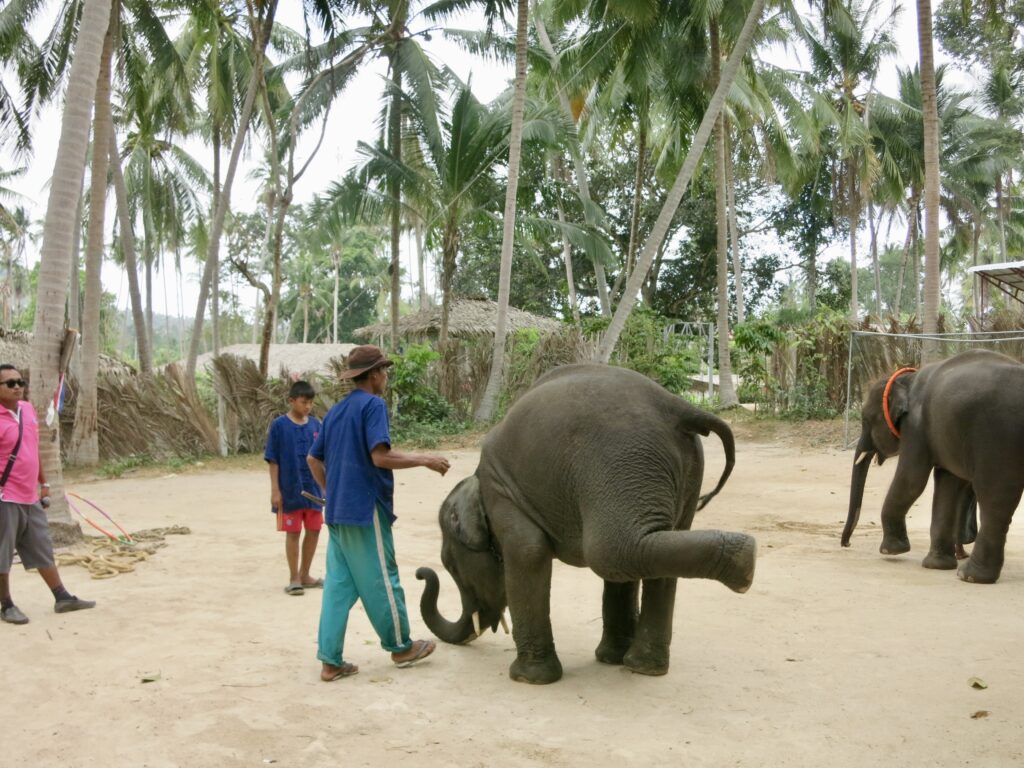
(899, 398)
(463, 515)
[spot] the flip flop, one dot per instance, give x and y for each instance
(423, 649)
(345, 670)
(294, 590)
(315, 584)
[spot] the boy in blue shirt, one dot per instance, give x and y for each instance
(353, 459)
(288, 441)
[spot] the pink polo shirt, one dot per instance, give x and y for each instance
(22, 486)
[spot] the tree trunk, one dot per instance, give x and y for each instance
(490, 398)
(52, 285)
(851, 179)
(874, 260)
(726, 391)
(638, 189)
(421, 263)
(675, 195)
(84, 448)
(580, 168)
(560, 175)
(131, 266)
(1001, 218)
(931, 174)
(734, 228)
(395, 194)
(336, 261)
(224, 199)
(908, 242)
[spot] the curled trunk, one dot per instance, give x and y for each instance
(861, 462)
(457, 632)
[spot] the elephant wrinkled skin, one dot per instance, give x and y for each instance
(963, 419)
(599, 467)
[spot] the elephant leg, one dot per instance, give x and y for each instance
(967, 524)
(986, 560)
(947, 501)
(649, 654)
(907, 485)
(528, 588)
(619, 611)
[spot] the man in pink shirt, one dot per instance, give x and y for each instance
(23, 525)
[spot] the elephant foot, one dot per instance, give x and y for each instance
(612, 650)
(939, 561)
(536, 672)
(738, 557)
(647, 659)
(894, 545)
(971, 571)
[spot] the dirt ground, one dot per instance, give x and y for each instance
(836, 657)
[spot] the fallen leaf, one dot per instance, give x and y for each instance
(980, 714)
(977, 682)
(151, 678)
(380, 679)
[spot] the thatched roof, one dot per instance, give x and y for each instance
(16, 349)
(467, 318)
(296, 358)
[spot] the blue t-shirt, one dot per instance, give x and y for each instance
(288, 444)
(352, 429)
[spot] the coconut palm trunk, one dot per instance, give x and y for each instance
(490, 398)
(58, 233)
(682, 181)
(84, 448)
(726, 391)
(931, 173)
(851, 178)
(579, 167)
(734, 228)
(131, 266)
(224, 197)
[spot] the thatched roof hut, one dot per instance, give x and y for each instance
(467, 319)
(16, 349)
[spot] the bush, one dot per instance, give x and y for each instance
(416, 400)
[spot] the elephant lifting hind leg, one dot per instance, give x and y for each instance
(598, 467)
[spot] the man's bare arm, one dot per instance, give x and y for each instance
(386, 458)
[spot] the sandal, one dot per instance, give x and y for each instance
(294, 589)
(420, 649)
(330, 673)
(314, 584)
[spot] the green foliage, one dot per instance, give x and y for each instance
(416, 400)
(120, 466)
(755, 341)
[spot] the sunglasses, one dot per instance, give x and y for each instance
(14, 383)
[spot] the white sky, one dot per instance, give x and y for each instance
(351, 120)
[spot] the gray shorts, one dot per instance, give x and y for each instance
(23, 527)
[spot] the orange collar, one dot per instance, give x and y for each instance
(885, 399)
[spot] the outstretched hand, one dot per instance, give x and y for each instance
(437, 463)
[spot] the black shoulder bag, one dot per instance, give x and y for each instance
(12, 457)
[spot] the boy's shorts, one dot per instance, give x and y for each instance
(294, 521)
(23, 527)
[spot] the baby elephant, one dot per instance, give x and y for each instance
(598, 467)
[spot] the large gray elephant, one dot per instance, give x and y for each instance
(599, 467)
(962, 420)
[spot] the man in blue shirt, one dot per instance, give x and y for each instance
(352, 458)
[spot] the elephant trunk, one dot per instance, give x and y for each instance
(861, 463)
(461, 631)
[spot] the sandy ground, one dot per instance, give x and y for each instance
(834, 658)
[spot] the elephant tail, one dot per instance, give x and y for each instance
(705, 423)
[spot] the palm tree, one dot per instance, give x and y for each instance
(84, 448)
(846, 50)
(58, 234)
(930, 113)
(682, 180)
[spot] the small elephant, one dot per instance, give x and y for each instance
(963, 419)
(599, 467)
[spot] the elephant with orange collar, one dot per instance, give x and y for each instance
(961, 420)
